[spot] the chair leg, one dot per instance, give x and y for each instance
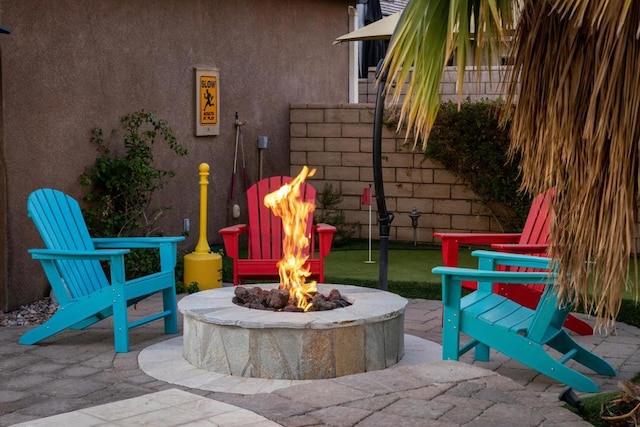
(62, 319)
(450, 319)
(535, 356)
(542, 361)
(451, 340)
(120, 326)
(85, 323)
(321, 271)
(235, 274)
(481, 352)
(564, 343)
(169, 301)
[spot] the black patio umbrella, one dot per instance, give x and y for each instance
(373, 50)
(384, 217)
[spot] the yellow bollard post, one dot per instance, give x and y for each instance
(201, 265)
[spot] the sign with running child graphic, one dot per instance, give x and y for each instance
(207, 102)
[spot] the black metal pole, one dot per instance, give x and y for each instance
(384, 217)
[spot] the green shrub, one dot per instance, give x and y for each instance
(192, 288)
(121, 186)
(471, 143)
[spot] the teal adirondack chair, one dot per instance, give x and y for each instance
(71, 262)
(493, 321)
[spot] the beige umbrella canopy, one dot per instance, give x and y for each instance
(378, 30)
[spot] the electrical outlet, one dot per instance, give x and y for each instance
(186, 225)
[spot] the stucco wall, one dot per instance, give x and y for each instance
(68, 66)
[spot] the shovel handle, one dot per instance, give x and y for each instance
(246, 179)
(232, 193)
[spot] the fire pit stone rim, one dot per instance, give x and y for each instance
(216, 306)
(373, 327)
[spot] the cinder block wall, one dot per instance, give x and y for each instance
(445, 204)
(337, 140)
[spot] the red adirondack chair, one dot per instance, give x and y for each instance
(534, 240)
(264, 232)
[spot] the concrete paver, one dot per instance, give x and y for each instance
(77, 371)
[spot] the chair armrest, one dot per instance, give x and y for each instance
(115, 257)
(325, 228)
(168, 246)
(459, 274)
(99, 255)
(133, 242)
(325, 238)
(230, 238)
(525, 249)
(452, 278)
(234, 229)
(452, 241)
(488, 259)
(479, 238)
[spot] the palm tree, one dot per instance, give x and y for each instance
(576, 125)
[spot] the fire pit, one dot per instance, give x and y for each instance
(223, 337)
(230, 339)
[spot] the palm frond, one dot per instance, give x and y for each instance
(427, 35)
(576, 127)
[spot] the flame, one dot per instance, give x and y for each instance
(287, 204)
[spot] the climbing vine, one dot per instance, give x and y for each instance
(122, 184)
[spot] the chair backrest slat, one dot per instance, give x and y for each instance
(537, 225)
(61, 225)
(265, 229)
(548, 315)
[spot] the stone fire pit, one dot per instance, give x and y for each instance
(225, 338)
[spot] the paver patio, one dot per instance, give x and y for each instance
(78, 370)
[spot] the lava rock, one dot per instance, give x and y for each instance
(334, 295)
(280, 300)
(277, 299)
(320, 303)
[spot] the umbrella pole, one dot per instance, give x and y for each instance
(384, 217)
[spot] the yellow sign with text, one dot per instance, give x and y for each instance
(208, 100)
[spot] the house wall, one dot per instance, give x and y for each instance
(71, 65)
(477, 85)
